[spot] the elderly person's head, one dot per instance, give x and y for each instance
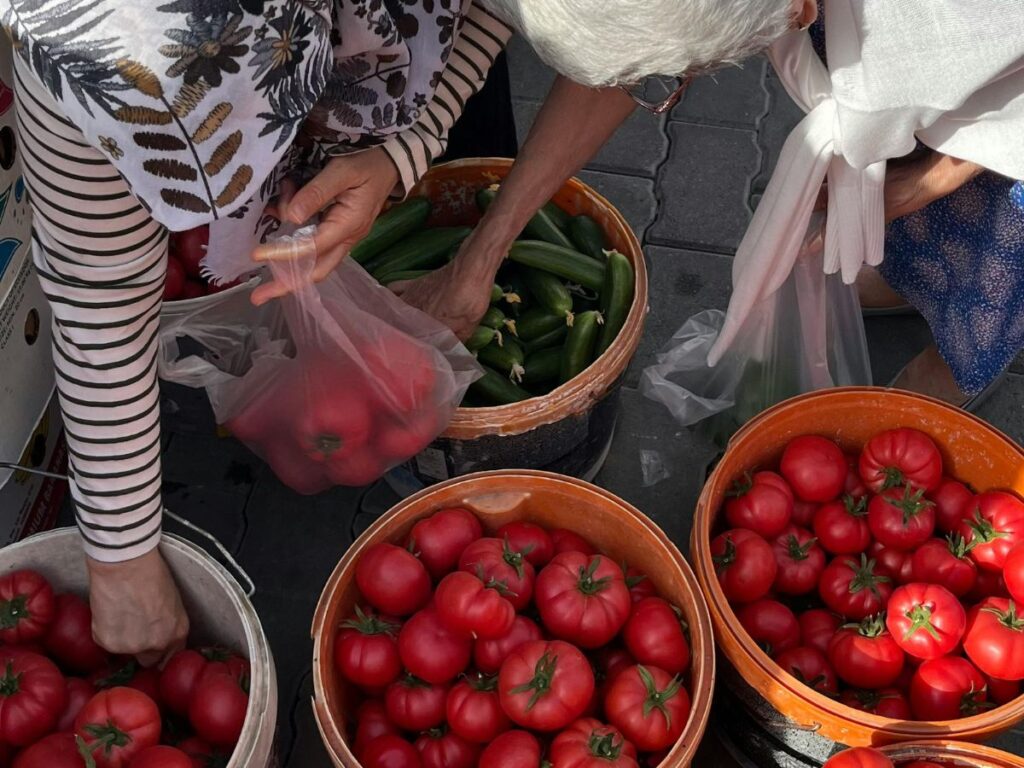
(618, 42)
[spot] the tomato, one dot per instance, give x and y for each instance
(886, 702)
(474, 711)
(607, 664)
(655, 634)
(994, 528)
(489, 653)
(855, 589)
(335, 423)
(218, 707)
(811, 667)
(994, 639)
(859, 757)
(817, 627)
(800, 561)
(947, 689)
(496, 559)
(415, 705)
(392, 580)
(814, 467)
(803, 513)
(430, 650)
(174, 280)
(124, 672)
(896, 563)
(854, 485)
(533, 541)
(224, 659)
(945, 562)
(583, 599)
(568, 541)
(68, 640)
(513, 749)
(366, 652)
(26, 607)
(440, 748)
(771, 625)
(762, 504)
(192, 289)
(162, 757)
(901, 518)
(842, 526)
(649, 707)
(33, 695)
(589, 744)
(202, 754)
(545, 685)
(470, 606)
(1013, 573)
(189, 247)
(79, 693)
(926, 620)
(639, 584)
(901, 457)
(179, 679)
(989, 584)
(117, 724)
(58, 750)
(440, 539)
(745, 565)
(390, 751)
(399, 439)
(1002, 691)
(372, 721)
(953, 502)
(404, 371)
(865, 655)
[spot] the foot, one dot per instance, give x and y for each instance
(875, 293)
(928, 374)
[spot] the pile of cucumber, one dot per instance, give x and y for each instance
(558, 303)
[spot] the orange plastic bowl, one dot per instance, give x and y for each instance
(952, 753)
(972, 451)
(554, 501)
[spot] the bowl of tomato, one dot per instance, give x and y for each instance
(852, 546)
(948, 754)
(508, 613)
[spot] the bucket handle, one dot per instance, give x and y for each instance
(248, 585)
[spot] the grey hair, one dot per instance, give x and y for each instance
(610, 42)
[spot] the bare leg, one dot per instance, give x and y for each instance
(928, 374)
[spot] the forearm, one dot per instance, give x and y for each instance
(911, 187)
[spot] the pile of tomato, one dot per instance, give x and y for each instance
(865, 757)
(67, 703)
(500, 651)
(184, 278)
(878, 580)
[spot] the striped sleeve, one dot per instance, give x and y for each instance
(481, 39)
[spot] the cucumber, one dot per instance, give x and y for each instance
(507, 359)
(496, 388)
(566, 263)
(557, 215)
(587, 236)
(483, 336)
(497, 294)
(616, 298)
(410, 274)
(536, 321)
(424, 250)
(550, 339)
(580, 344)
(544, 226)
(391, 226)
(493, 318)
(485, 196)
(543, 366)
(516, 286)
(550, 293)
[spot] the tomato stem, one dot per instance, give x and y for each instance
(106, 737)
(1008, 618)
(920, 618)
(657, 699)
(854, 506)
(872, 626)
(741, 487)
(10, 684)
(603, 746)
(728, 556)
(85, 752)
(865, 577)
(119, 677)
(959, 547)
(984, 532)
(587, 584)
(540, 683)
(367, 625)
(798, 551)
(911, 504)
(482, 682)
(513, 558)
(13, 611)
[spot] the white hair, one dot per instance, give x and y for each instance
(610, 42)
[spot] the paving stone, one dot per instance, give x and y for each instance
(1005, 408)
(703, 188)
(782, 116)
(307, 748)
(633, 196)
(185, 410)
(735, 96)
(531, 77)
(893, 342)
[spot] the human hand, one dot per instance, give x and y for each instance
(136, 608)
(350, 191)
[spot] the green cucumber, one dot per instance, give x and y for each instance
(493, 318)
(550, 293)
(587, 236)
(543, 226)
(508, 359)
(580, 344)
(550, 339)
(496, 388)
(485, 196)
(616, 298)
(397, 222)
(557, 215)
(424, 250)
(516, 287)
(545, 365)
(566, 263)
(483, 336)
(536, 321)
(409, 274)
(497, 294)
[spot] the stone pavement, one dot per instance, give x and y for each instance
(686, 182)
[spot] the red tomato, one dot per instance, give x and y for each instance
(174, 280)
(854, 589)
(403, 368)
(865, 655)
(859, 757)
(926, 620)
(745, 565)
(470, 606)
(226, 660)
(887, 702)
(430, 650)
(366, 652)
(947, 689)
(399, 439)
(946, 562)
(608, 663)
(415, 705)
(771, 625)
(994, 639)
(192, 289)
(989, 584)
(79, 693)
(117, 724)
(639, 584)
(810, 666)
(440, 539)
(161, 757)
(842, 526)
(803, 513)
(655, 635)
(897, 564)
(474, 711)
(649, 707)
(1002, 691)
(995, 527)
(69, 637)
(179, 679)
(124, 672)
(33, 695)
(901, 457)
(58, 750)
(392, 580)
(439, 748)
(545, 685)
(1013, 573)
(389, 751)
(217, 710)
(26, 607)
(901, 518)
(569, 541)
(583, 599)
(489, 653)
(817, 627)
(800, 561)
(202, 754)
(189, 247)
(953, 502)
(589, 744)
(497, 560)
(762, 504)
(533, 541)
(513, 749)
(814, 467)
(854, 485)
(335, 424)
(372, 721)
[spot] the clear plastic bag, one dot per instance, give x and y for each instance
(332, 385)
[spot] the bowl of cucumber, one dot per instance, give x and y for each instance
(566, 316)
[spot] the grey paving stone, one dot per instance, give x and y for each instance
(782, 116)
(703, 188)
(633, 196)
(307, 749)
(893, 342)
(735, 96)
(531, 78)
(1005, 408)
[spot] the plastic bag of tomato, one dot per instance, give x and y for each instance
(184, 279)
(67, 703)
(500, 651)
(877, 579)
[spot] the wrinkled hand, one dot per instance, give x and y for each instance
(350, 191)
(137, 609)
